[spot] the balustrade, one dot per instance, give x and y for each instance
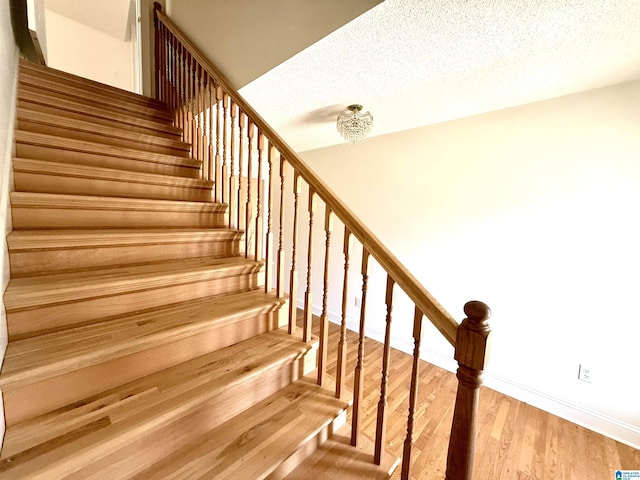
(230, 138)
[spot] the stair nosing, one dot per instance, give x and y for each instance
(32, 240)
(90, 202)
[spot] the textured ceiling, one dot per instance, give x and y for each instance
(246, 38)
(416, 62)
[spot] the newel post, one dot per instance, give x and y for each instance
(471, 352)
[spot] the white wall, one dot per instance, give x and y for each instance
(76, 48)
(533, 210)
(8, 85)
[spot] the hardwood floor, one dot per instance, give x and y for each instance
(514, 439)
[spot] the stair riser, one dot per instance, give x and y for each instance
(62, 184)
(56, 261)
(63, 107)
(40, 152)
(151, 145)
(28, 401)
(48, 218)
(47, 318)
(82, 98)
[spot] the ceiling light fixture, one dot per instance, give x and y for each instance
(353, 125)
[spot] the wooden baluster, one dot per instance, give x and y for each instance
(216, 173)
(308, 295)
(205, 111)
(324, 317)
(164, 63)
(183, 95)
(157, 62)
(268, 249)
(413, 395)
(358, 382)
(188, 110)
(341, 367)
(248, 209)
(213, 103)
(472, 342)
(197, 119)
(382, 403)
(280, 254)
(214, 136)
(198, 114)
(259, 200)
(179, 93)
(191, 108)
(174, 82)
(293, 276)
(232, 177)
(241, 119)
(222, 126)
(195, 93)
(169, 80)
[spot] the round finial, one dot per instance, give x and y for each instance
(477, 311)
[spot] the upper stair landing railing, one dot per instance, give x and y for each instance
(248, 162)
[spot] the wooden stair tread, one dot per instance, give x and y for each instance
(36, 70)
(32, 359)
(336, 459)
(31, 240)
(53, 444)
(60, 201)
(93, 172)
(96, 97)
(87, 126)
(26, 292)
(37, 101)
(253, 445)
(83, 146)
(81, 98)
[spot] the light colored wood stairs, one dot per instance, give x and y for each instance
(141, 343)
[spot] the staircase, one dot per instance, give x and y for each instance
(142, 341)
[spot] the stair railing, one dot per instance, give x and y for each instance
(230, 139)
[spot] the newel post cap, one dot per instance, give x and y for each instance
(473, 336)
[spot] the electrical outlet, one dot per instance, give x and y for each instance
(357, 302)
(584, 374)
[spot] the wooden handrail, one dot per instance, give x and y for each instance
(423, 300)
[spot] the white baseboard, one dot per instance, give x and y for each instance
(578, 414)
